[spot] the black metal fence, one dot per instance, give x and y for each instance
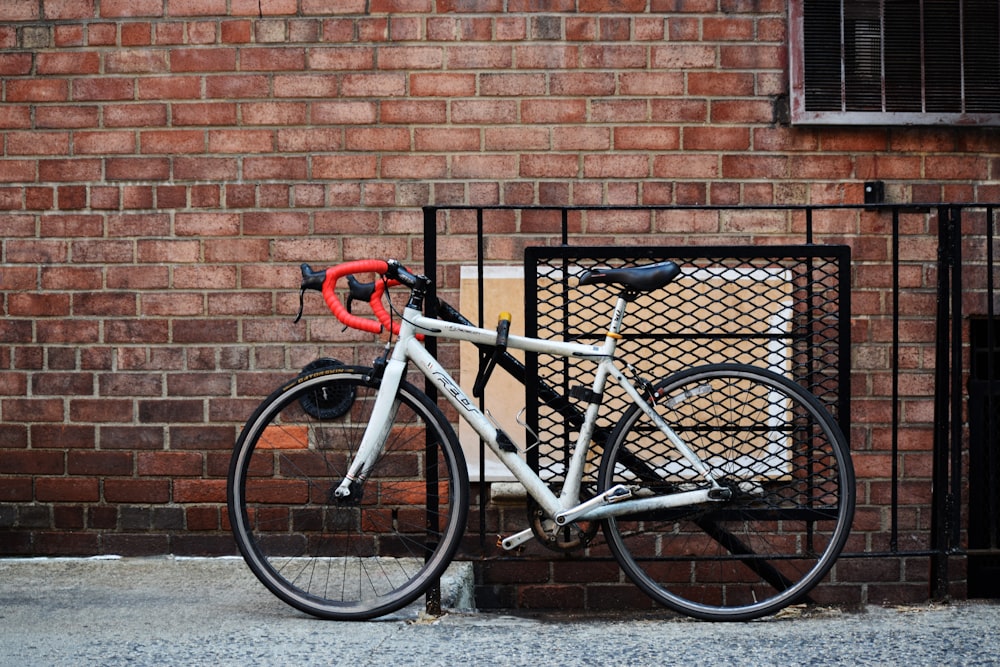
(941, 252)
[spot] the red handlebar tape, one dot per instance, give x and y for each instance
(337, 308)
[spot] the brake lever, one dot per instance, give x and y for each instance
(302, 305)
(357, 290)
(310, 280)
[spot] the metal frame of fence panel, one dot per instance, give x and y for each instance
(782, 307)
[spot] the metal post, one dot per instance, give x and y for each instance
(940, 518)
(433, 595)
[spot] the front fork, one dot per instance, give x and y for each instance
(382, 418)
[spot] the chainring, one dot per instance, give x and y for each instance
(562, 539)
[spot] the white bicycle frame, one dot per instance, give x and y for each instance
(565, 508)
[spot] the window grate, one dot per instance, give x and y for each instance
(895, 61)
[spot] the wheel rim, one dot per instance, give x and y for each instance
(345, 560)
(768, 546)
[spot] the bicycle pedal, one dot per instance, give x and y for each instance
(516, 540)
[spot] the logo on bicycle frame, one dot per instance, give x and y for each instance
(447, 384)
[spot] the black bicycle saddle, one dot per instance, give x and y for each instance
(639, 278)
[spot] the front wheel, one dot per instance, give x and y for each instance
(335, 558)
(788, 470)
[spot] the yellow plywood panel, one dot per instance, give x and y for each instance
(503, 290)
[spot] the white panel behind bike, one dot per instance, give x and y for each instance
(503, 290)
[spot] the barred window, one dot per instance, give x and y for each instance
(895, 62)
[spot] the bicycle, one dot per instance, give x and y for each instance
(724, 492)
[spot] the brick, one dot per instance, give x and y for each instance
(131, 169)
(202, 59)
(616, 166)
(206, 437)
(65, 543)
(727, 29)
(344, 167)
(753, 57)
(137, 61)
(204, 113)
(647, 138)
(15, 116)
(37, 143)
(37, 90)
(447, 84)
(103, 143)
(821, 166)
(613, 56)
(131, 8)
(954, 167)
(742, 111)
(39, 305)
(169, 88)
(512, 138)
(202, 518)
(130, 437)
(170, 411)
(32, 462)
(101, 410)
(553, 111)
(411, 58)
(66, 489)
(33, 409)
(135, 115)
(169, 464)
(487, 166)
(20, 10)
(240, 141)
(738, 166)
(99, 464)
(117, 490)
(623, 6)
(683, 57)
(504, 84)
(16, 490)
(200, 491)
(372, 85)
(177, 304)
(550, 166)
(75, 63)
(62, 384)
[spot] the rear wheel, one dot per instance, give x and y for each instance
(339, 559)
(787, 465)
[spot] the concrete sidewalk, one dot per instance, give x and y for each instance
(166, 611)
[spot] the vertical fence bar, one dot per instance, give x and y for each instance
(953, 503)
(481, 297)
(991, 425)
(942, 405)
(432, 600)
(894, 500)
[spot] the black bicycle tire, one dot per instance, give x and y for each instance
(667, 594)
(254, 547)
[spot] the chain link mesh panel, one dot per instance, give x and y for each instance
(786, 310)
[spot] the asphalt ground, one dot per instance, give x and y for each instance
(174, 611)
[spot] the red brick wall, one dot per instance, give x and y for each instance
(166, 164)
